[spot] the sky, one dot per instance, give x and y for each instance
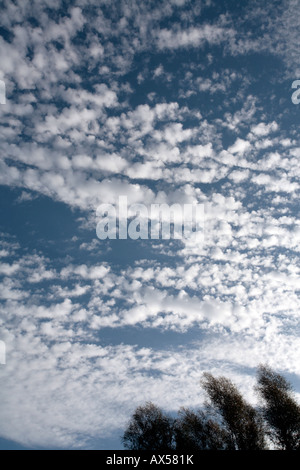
(180, 101)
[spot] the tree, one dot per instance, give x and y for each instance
(228, 422)
(239, 418)
(280, 410)
(149, 429)
(195, 431)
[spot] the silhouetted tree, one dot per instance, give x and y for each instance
(228, 423)
(280, 410)
(195, 431)
(149, 429)
(239, 418)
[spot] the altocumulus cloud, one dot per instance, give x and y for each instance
(162, 103)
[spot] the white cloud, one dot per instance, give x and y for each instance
(263, 129)
(238, 176)
(83, 138)
(194, 36)
(85, 272)
(240, 146)
(83, 382)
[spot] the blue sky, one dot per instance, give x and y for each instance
(178, 101)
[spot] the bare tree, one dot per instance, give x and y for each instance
(229, 422)
(280, 409)
(239, 418)
(195, 431)
(149, 429)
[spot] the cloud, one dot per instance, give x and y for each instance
(150, 101)
(240, 146)
(83, 383)
(263, 129)
(85, 272)
(195, 37)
